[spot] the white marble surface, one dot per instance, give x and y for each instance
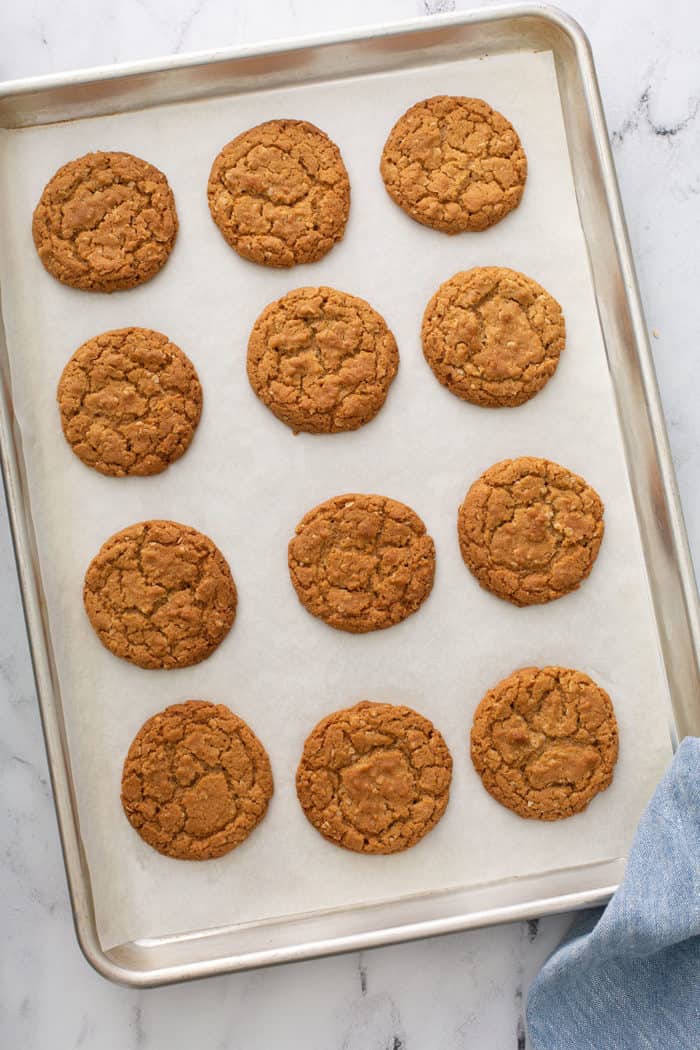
(461, 991)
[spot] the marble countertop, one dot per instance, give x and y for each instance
(465, 990)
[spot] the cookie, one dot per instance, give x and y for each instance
(322, 360)
(454, 164)
(361, 563)
(374, 778)
(130, 401)
(160, 595)
(105, 222)
(493, 336)
(196, 781)
(544, 742)
(280, 193)
(530, 530)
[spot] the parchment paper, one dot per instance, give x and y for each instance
(247, 480)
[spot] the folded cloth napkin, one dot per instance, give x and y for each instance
(628, 977)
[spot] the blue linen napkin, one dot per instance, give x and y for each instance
(628, 977)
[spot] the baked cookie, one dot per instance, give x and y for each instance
(105, 222)
(130, 401)
(160, 595)
(196, 781)
(493, 336)
(322, 360)
(530, 530)
(374, 778)
(361, 563)
(454, 164)
(280, 193)
(544, 742)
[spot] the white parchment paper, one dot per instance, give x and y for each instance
(247, 480)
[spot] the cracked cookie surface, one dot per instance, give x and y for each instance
(374, 778)
(530, 530)
(493, 336)
(454, 164)
(280, 193)
(544, 742)
(196, 781)
(160, 595)
(322, 360)
(361, 563)
(105, 222)
(130, 401)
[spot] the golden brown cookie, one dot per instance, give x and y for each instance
(160, 594)
(105, 222)
(544, 742)
(530, 530)
(374, 778)
(322, 360)
(454, 164)
(280, 193)
(493, 336)
(361, 563)
(196, 781)
(129, 401)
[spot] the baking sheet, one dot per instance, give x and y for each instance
(247, 480)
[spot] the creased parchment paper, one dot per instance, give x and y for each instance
(247, 480)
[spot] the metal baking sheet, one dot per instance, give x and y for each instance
(426, 59)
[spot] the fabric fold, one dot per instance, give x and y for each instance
(628, 976)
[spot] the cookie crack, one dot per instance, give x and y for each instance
(238, 169)
(344, 548)
(508, 761)
(287, 205)
(471, 369)
(471, 177)
(165, 416)
(127, 604)
(548, 498)
(379, 546)
(172, 813)
(379, 795)
(322, 360)
(105, 222)
(545, 554)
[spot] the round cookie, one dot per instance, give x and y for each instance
(454, 164)
(361, 563)
(493, 336)
(105, 222)
(196, 781)
(374, 778)
(280, 193)
(130, 401)
(530, 530)
(544, 742)
(322, 360)
(160, 595)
